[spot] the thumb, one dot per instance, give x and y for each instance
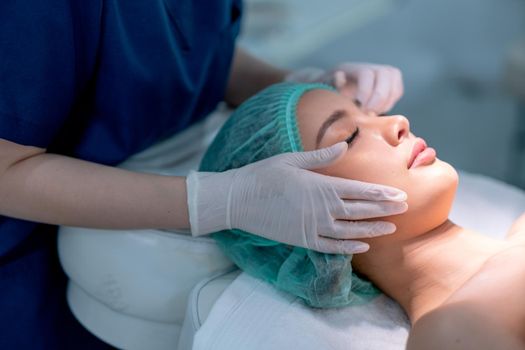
(320, 158)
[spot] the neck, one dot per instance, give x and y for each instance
(421, 272)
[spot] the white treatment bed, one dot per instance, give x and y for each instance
(156, 290)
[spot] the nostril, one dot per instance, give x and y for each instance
(401, 133)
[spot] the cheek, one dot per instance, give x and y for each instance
(369, 167)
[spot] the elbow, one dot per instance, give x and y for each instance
(12, 154)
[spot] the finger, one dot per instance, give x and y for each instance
(392, 97)
(381, 91)
(342, 229)
(339, 79)
(319, 158)
(353, 189)
(396, 91)
(365, 84)
(400, 90)
(359, 210)
(334, 246)
(389, 104)
(389, 90)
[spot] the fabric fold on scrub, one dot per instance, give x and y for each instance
(264, 126)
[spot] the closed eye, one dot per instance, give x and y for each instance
(352, 137)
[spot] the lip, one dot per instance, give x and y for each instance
(419, 146)
(421, 154)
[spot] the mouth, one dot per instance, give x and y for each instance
(421, 154)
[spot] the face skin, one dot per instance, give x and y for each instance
(380, 154)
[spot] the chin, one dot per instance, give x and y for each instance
(430, 198)
(440, 174)
(448, 173)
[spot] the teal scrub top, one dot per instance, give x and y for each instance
(97, 80)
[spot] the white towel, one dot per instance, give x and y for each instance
(251, 314)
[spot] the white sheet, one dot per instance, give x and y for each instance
(251, 314)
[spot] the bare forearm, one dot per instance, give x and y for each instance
(250, 75)
(65, 191)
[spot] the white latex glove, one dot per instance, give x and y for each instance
(280, 199)
(374, 87)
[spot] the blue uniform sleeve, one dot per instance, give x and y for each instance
(47, 57)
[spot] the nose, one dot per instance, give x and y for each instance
(396, 129)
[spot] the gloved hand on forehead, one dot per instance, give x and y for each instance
(374, 87)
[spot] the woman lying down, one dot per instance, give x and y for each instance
(460, 289)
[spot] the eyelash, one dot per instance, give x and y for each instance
(352, 137)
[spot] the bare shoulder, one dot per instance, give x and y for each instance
(461, 325)
(517, 230)
(487, 312)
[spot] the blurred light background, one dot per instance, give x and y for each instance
(462, 62)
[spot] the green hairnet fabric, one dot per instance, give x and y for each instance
(264, 126)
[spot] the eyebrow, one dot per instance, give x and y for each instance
(335, 116)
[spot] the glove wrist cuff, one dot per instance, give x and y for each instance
(207, 202)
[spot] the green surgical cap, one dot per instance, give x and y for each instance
(263, 126)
